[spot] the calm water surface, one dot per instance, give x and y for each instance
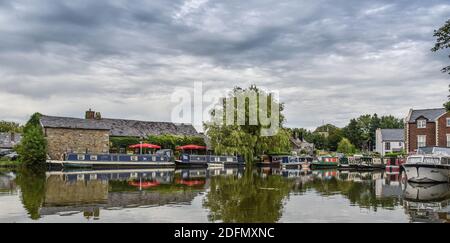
(218, 195)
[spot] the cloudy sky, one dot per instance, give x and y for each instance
(330, 60)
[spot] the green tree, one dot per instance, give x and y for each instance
(346, 147)
(33, 147)
(442, 41)
(247, 139)
(6, 126)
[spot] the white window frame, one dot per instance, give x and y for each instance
(387, 146)
(419, 143)
(448, 140)
(422, 123)
(448, 122)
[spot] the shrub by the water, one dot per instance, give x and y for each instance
(33, 147)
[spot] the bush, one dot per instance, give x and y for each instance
(346, 147)
(33, 147)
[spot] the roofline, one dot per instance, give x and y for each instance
(78, 128)
(439, 117)
(107, 118)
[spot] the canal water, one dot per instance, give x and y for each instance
(218, 195)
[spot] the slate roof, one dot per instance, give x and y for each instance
(430, 114)
(8, 141)
(120, 127)
(393, 134)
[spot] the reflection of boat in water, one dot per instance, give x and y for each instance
(427, 168)
(426, 192)
(427, 202)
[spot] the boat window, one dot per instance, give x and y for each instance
(93, 157)
(431, 160)
(445, 161)
(134, 158)
(81, 157)
(414, 159)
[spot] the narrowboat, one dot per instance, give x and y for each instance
(325, 162)
(74, 160)
(433, 168)
(287, 161)
(188, 160)
(305, 162)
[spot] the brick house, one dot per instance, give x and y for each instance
(427, 128)
(92, 134)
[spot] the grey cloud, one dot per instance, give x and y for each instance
(331, 60)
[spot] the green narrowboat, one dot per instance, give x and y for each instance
(325, 162)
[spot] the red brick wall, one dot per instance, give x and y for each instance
(430, 132)
(443, 130)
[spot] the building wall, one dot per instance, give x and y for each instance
(413, 132)
(443, 130)
(61, 141)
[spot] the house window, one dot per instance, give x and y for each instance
(448, 140)
(421, 141)
(388, 146)
(448, 122)
(421, 123)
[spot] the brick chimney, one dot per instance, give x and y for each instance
(90, 114)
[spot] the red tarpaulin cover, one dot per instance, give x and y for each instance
(145, 145)
(191, 147)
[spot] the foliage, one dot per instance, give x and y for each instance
(32, 184)
(442, 41)
(447, 104)
(346, 147)
(169, 141)
(33, 147)
(6, 126)
(122, 142)
(362, 131)
(247, 139)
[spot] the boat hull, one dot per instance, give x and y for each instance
(423, 173)
(190, 164)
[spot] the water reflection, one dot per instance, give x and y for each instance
(428, 203)
(227, 195)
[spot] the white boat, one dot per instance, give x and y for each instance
(431, 168)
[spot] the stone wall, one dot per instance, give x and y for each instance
(61, 141)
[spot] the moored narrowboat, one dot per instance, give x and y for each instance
(325, 162)
(73, 160)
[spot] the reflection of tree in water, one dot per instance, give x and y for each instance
(250, 199)
(361, 193)
(32, 185)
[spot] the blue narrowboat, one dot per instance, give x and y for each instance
(112, 160)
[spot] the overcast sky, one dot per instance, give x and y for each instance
(330, 60)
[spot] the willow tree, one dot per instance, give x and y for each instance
(248, 122)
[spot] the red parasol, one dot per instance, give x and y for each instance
(191, 147)
(145, 145)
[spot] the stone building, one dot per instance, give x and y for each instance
(8, 140)
(92, 134)
(427, 128)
